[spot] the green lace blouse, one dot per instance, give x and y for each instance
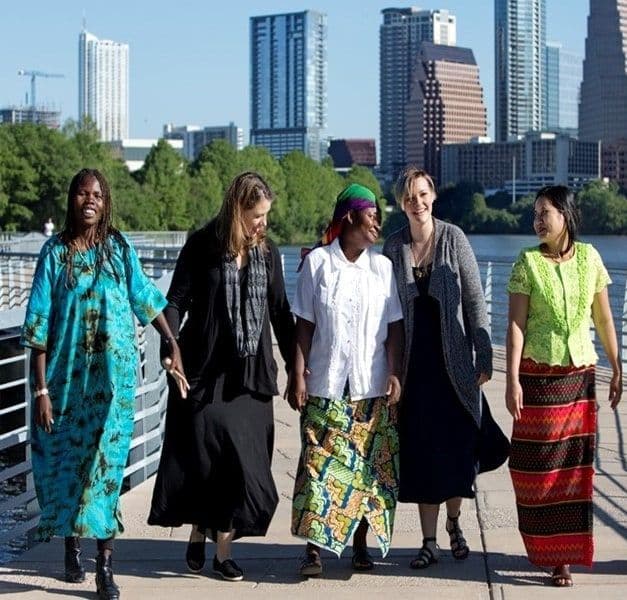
(560, 304)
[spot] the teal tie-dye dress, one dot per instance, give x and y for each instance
(88, 333)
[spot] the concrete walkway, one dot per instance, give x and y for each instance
(149, 561)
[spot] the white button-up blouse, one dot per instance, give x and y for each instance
(351, 305)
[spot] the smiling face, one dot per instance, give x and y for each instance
(255, 219)
(367, 225)
(548, 222)
(88, 203)
(417, 204)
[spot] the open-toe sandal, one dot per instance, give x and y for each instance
(561, 577)
(459, 546)
(426, 556)
(362, 560)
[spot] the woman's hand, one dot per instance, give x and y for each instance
(393, 390)
(43, 413)
(297, 391)
(616, 389)
(514, 398)
(174, 366)
(483, 378)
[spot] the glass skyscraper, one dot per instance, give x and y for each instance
(563, 72)
(103, 85)
(400, 36)
(603, 107)
(520, 39)
(288, 83)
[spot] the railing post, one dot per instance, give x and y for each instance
(488, 295)
(623, 346)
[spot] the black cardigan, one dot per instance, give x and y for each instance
(206, 340)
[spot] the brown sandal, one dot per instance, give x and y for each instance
(311, 566)
(561, 577)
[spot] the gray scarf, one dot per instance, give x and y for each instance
(246, 334)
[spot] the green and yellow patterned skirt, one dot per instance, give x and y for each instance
(348, 469)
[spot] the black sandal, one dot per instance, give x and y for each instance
(362, 560)
(426, 557)
(459, 546)
(311, 566)
(561, 577)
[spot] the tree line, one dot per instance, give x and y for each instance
(171, 193)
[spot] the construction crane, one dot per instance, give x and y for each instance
(33, 75)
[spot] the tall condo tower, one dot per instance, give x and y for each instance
(445, 104)
(103, 85)
(603, 106)
(400, 36)
(562, 80)
(520, 39)
(288, 83)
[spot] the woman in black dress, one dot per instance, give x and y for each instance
(215, 467)
(448, 357)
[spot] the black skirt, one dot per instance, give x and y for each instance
(439, 441)
(215, 468)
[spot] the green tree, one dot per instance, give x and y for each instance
(205, 196)
(223, 157)
(603, 208)
(165, 181)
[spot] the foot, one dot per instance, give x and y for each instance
(227, 569)
(459, 546)
(428, 555)
(195, 554)
(311, 566)
(74, 572)
(561, 576)
(362, 560)
(106, 588)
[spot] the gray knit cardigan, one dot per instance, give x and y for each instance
(456, 285)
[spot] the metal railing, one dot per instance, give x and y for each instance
(18, 505)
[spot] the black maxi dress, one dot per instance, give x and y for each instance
(215, 468)
(438, 438)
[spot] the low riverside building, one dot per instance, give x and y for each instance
(133, 151)
(348, 152)
(195, 138)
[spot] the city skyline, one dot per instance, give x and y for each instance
(190, 63)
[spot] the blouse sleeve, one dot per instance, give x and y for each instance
(601, 276)
(145, 298)
(304, 298)
(39, 310)
(519, 279)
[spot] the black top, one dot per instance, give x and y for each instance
(206, 338)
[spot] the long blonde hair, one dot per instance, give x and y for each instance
(245, 191)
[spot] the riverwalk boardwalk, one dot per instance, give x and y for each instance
(149, 561)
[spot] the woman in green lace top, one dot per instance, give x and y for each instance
(556, 289)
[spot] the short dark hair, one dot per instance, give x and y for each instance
(563, 199)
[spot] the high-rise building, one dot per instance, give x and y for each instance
(603, 106)
(103, 85)
(563, 72)
(445, 105)
(400, 36)
(520, 38)
(288, 78)
(345, 153)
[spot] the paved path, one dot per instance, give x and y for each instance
(149, 561)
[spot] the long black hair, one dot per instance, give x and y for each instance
(563, 199)
(104, 229)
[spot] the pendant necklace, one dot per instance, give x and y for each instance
(420, 269)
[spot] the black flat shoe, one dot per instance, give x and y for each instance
(195, 556)
(227, 569)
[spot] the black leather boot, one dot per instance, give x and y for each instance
(105, 586)
(74, 572)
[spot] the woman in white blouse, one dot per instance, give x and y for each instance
(345, 383)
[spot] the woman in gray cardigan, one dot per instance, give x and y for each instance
(448, 356)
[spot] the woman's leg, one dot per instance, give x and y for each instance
(195, 554)
(106, 588)
(223, 544)
(428, 553)
(362, 561)
(459, 546)
(312, 563)
(223, 564)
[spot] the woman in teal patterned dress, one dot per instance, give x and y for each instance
(79, 324)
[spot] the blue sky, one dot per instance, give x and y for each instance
(190, 58)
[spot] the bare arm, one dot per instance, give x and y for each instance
(394, 345)
(297, 388)
(604, 325)
(173, 363)
(43, 405)
(517, 323)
